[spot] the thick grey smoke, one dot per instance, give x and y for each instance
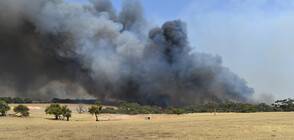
(51, 48)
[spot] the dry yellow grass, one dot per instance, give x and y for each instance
(191, 126)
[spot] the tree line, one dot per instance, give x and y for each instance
(74, 101)
(230, 106)
(135, 108)
(16, 100)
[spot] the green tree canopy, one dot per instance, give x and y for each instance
(66, 112)
(22, 109)
(285, 105)
(3, 108)
(6, 99)
(17, 100)
(95, 110)
(54, 109)
(172, 110)
(28, 100)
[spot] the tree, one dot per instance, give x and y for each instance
(81, 109)
(54, 109)
(67, 115)
(95, 110)
(172, 110)
(132, 108)
(17, 100)
(6, 99)
(121, 105)
(28, 100)
(66, 112)
(263, 107)
(109, 110)
(3, 108)
(284, 105)
(22, 109)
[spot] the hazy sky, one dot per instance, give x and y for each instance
(255, 38)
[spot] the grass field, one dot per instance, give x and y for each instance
(190, 126)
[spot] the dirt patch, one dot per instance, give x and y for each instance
(31, 107)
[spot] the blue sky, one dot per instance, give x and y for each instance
(254, 38)
(161, 9)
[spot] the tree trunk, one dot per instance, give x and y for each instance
(56, 117)
(3, 113)
(96, 117)
(67, 118)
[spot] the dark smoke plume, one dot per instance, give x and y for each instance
(51, 48)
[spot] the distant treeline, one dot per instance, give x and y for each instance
(74, 101)
(135, 108)
(16, 100)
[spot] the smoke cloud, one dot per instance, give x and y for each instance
(52, 48)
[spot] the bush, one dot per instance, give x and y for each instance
(4, 108)
(22, 109)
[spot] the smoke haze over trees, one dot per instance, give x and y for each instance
(52, 48)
